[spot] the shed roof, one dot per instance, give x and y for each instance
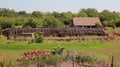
(86, 21)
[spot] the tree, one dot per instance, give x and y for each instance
(81, 14)
(22, 13)
(90, 12)
(8, 12)
(30, 24)
(106, 15)
(110, 18)
(51, 21)
(117, 24)
(56, 14)
(5, 25)
(67, 18)
(37, 14)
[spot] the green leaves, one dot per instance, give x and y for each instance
(30, 24)
(51, 21)
(39, 37)
(5, 25)
(55, 19)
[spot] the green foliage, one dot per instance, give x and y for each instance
(29, 24)
(117, 22)
(37, 14)
(109, 23)
(5, 25)
(51, 21)
(7, 12)
(107, 15)
(67, 18)
(84, 58)
(90, 12)
(92, 60)
(39, 37)
(52, 59)
(58, 50)
(98, 24)
(55, 19)
(22, 13)
(81, 14)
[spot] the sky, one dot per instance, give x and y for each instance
(60, 5)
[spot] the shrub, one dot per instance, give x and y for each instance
(52, 59)
(6, 25)
(83, 58)
(58, 50)
(98, 24)
(39, 37)
(29, 24)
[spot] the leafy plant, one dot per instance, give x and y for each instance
(29, 24)
(58, 50)
(5, 25)
(83, 58)
(39, 37)
(52, 59)
(98, 24)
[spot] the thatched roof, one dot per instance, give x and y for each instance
(86, 21)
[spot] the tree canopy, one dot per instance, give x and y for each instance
(29, 24)
(54, 19)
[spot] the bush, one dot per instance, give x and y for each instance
(98, 24)
(83, 58)
(6, 25)
(58, 50)
(29, 24)
(39, 37)
(52, 59)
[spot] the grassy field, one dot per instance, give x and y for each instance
(14, 50)
(21, 47)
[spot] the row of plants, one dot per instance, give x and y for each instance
(30, 55)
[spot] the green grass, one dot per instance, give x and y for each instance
(18, 46)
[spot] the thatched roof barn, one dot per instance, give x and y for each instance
(86, 21)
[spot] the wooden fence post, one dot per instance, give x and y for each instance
(1, 64)
(38, 59)
(112, 61)
(73, 60)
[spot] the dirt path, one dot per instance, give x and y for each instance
(67, 64)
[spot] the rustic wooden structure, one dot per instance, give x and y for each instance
(85, 21)
(55, 32)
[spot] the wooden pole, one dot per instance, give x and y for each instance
(112, 61)
(38, 65)
(73, 60)
(1, 64)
